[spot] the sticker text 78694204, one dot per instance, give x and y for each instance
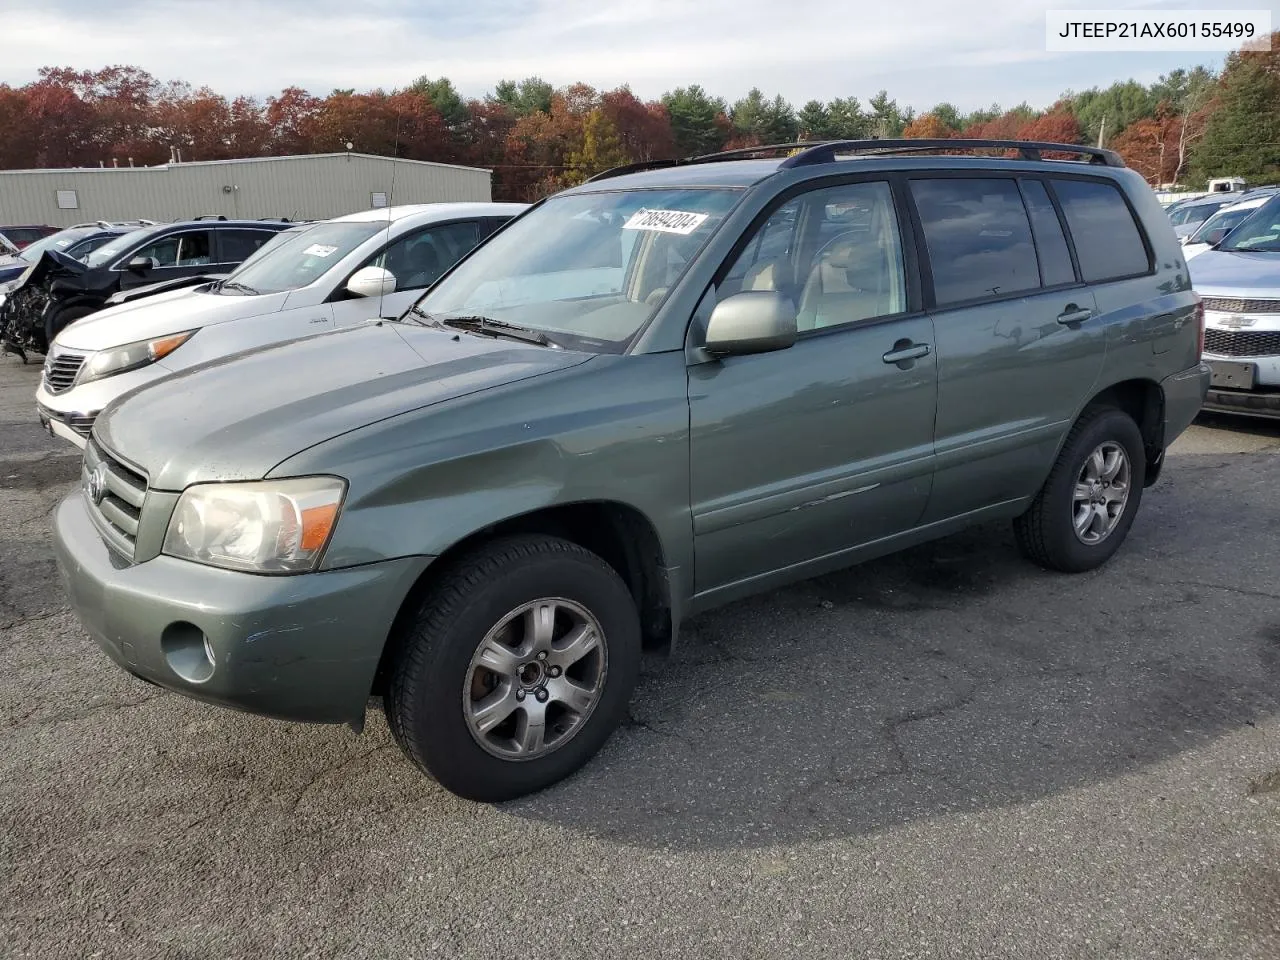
(665, 221)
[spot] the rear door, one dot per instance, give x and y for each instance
(1018, 335)
(237, 245)
(416, 260)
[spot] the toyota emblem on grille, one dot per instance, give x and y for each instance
(98, 483)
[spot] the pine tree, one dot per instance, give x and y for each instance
(1242, 135)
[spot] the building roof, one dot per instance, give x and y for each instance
(241, 160)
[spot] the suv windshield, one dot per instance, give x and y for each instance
(1195, 212)
(113, 248)
(60, 241)
(299, 257)
(591, 268)
(1223, 219)
(1259, 232)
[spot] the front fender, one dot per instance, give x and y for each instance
(613, 429)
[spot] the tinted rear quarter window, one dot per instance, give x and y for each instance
(978, 236)
(1107, 240)
(1051, 244)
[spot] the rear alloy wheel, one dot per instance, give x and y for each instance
(1086, 507)
(518, 665)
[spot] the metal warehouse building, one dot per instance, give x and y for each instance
(311, 187)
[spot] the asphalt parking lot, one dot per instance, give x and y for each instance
(947, 753)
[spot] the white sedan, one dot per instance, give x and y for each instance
(306, 280)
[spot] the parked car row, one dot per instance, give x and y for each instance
(129, 322)
(656, 392)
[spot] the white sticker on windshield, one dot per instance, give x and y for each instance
(318, 250)
(665, 221)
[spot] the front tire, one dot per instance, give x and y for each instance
(518, 665)
(1086, 507)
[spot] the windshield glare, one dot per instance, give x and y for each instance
(296, 258)
(1260, 231)
(1194, 213)
(55, 241)
(112, 249)
(588, 269)
(1222, 219)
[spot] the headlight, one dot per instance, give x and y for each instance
(269, 526)
(107, 363)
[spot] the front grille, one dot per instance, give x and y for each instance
(1230, 305)
(115, 494)
(81, 423)
(60, 369)
(1242, 343)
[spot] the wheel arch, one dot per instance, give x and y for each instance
(620, 534)
(1143, 400)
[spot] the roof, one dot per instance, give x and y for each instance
(741, 168)
(437, 210)
(242, 160)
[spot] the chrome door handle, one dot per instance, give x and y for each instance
(1073, 314)
(907, 351)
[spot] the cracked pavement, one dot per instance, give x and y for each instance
(946, 753)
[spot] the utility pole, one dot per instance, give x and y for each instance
(1102, 129)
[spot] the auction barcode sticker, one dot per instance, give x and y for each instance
(1120, 31)
(665, 221)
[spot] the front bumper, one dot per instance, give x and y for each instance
(302, 648)
(71, 413)
(1252, 403)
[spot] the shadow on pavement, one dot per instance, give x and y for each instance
(950, 677)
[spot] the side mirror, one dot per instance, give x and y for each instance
(755, 321)
(371, 282)
(142, 264)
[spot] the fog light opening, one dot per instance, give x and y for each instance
(188, 651)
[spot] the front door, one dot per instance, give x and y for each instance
(416, 260)
(804, 453)
(187, 253)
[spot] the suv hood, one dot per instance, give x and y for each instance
(235, 418)
(1248, 275)
(171, 311)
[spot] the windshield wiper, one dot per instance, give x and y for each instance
(1243, 249)
(496, 328)
(237, 285)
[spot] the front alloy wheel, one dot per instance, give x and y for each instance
(535, 679)
(516, 667)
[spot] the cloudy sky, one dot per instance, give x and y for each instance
(921, 51)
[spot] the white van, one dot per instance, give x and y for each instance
(308, 279)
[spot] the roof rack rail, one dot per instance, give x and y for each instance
(807, 153)
(210, 216)
(740, 152)
(1027, 149)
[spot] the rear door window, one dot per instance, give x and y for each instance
(1051, 244)
(237, 245)
(1107, 239)
(978, 237)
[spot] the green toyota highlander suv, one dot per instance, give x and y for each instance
(675, 385)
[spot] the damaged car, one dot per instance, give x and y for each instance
(57, 290)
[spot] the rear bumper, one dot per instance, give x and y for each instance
(1184, 396)
(302, 647)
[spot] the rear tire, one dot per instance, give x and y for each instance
(1087, 505)
(498, 689)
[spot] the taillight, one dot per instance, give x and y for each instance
(1200, 325)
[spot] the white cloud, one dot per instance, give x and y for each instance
(923, 51)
